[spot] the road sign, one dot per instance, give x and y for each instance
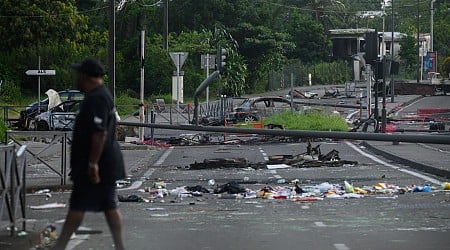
(178, 58)
(40, 72)
(211, 60)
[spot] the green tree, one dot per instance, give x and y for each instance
(408, 51)
(34, 23)
(311, 42)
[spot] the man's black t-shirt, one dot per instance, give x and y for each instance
(96, 114)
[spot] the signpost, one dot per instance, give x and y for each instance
(178, 59)
(40, 72)
(141, 104)
(207, 61)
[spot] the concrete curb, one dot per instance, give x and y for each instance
(412, 164)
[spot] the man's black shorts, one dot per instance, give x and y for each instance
(94, 198)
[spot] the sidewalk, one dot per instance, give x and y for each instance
(415, 155)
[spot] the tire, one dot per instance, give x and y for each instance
(250, 118)
(42, 126)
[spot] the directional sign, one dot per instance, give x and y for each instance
(211, 60)
(178, 58)
(40, 72)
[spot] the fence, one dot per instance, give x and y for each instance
(12, 185)
(321, 74)
(55, 137)
(168, 113)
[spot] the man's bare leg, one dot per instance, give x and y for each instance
(114, 220)
(73, 221)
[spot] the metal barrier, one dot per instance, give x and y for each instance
(433, 139)
(62, 137)
(12, 185)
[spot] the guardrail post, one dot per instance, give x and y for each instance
(152, 130)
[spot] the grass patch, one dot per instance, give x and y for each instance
(309, 121)
(126, 105)
(3, 129)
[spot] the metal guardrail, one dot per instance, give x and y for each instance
(12, 185)
(62, 137)
(433, 139)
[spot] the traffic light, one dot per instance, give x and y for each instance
(371, 47)
(220, 59)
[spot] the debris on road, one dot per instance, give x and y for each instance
(310, 159)
(49, 206)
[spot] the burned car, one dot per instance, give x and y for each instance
(60, 117)
(35, 108)
(250, 110)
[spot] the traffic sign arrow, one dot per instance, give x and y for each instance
(40, 72)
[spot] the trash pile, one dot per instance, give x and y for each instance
(292, 191)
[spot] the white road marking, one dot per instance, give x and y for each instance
(319, 224)
(159, 162)
(264, 154)
(340, 246)
(433, 148)
(409, 105)
(78, 239)
(163, 157)
(378, 160)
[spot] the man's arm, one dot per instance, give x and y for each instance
(97, 144)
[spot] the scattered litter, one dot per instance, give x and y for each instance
(424, 189)
(159, 215)
(49, 206)
(447, 186)
(159, 184)
(132, 198)
(278, 166)
(47, 237)
(231, 188)
(211, 182)
(155, 208)
(22, 234)
(42, 191)
(387, 197)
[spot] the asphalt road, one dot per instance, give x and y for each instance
(409, 221)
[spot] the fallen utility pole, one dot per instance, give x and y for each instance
(434, 139)
(202, 88)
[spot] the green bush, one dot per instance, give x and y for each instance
(10, 92)
(310, 121)
(126, 105)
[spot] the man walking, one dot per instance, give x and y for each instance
(96, 160)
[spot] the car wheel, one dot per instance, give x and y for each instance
(250, 118)
(42, 126)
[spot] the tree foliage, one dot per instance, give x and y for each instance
(260, 35)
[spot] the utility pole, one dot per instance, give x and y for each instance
(166, 25)
(432, 25)
(392, 53)
(418, 41)
(112, 50)
(142, 105)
